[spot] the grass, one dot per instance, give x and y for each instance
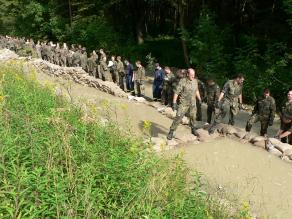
(55, 164)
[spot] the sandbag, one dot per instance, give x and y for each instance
(226, 129)
(240, 134)
(288, 152)
(275, 152)
(257, 138)
(169, 112)
(187, 137)
(203, 135)
(185, 120)
(249, 136)
(283, 147)
(261, 144)
(287, 159)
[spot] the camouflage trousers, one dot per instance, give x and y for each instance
(139, 88)
(224, 107)
(107, 76)
(256, 118)
(167, 96)
(199, 110)
(210, 112)
(183, 110)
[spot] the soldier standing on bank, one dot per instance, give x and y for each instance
(139, 79)
(202, 91)
(264, 111)
(167, 92)
(106, 75)
(121, 72)
(187, 90)
(212, 95)
(230, 99)
(285, 132)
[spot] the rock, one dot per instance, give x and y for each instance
(187, 137)
(240, 134)
(275, 152)
(257, 138)
(261, 144)
(203, 135)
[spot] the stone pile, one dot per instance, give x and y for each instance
(6, 54)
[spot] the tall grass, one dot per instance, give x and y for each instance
(53, 164)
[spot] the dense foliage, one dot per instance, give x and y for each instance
(219, 38)
(54, 163)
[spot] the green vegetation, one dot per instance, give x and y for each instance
(54, 163)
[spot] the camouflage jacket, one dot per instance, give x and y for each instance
(168, 80)
(120, 67)
(212, 93)
(186, 90)
(265, 107)
(140, 74)
(287, 110)
(232, 91)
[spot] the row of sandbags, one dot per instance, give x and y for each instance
(272, 145)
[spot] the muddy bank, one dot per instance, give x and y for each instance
(244, 174)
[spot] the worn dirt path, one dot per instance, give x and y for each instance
(238, 171)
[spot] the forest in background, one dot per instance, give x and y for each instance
(218, 38)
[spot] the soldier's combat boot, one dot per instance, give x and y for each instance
(212, 128)
(194, 131)
(248, 127)
(170, 135)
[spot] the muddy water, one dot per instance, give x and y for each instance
(248, 173)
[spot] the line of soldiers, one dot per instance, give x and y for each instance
(97, 65)
(182, 91)
(189, 95)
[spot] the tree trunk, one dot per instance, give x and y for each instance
(181, 11)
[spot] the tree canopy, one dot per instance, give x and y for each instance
(218, 38)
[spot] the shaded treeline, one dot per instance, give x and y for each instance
(219, 38)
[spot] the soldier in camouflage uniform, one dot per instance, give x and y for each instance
(121, 72)
(57, 56)
(139, 78)
(83, 59)
(285, 132)
(106, 75)
(76, 58)
(202, 91)
(38, 49)
(114, 71)
(264, 111)
(187, 89)
(92, 64)
(212, 95)
(167, 90)
(230, 99)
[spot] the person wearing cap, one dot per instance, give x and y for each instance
(158, 81)
(263, 112)
(285, 132)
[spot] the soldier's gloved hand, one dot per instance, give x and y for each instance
(241, 106)
(174, 106)
(271, 121)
